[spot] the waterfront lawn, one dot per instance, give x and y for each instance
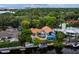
(9, 44)
(37, 41)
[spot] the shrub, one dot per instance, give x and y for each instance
(60, 36)
(37, 41)
(58, 44)
(8, 44)
(25, 36)
(4, 44)
(14, 44)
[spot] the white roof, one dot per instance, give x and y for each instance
(70, 31)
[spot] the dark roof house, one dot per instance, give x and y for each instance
(10, 32)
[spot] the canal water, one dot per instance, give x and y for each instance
(49, 50)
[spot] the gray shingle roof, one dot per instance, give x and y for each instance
(9, 33)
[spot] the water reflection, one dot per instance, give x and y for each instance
(42, 50)
(15, 51)
(49, 50)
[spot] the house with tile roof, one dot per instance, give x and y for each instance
(45, 32)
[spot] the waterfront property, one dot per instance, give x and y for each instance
(72, 33)
(10, 34)
(45, 33)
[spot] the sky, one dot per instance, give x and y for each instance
(19, 6)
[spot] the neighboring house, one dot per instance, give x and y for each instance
(45, 32)
(10, 34)
(72, 21)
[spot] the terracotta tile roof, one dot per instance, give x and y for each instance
(72, 21)
(46, 29)
(35, 30)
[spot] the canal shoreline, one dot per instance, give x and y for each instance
(33, 50)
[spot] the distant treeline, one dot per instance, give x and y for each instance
(38, 17)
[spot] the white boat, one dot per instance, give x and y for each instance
(77, 45)
(22, 49)
(5, 51)
(28, 45)
(42, 45)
